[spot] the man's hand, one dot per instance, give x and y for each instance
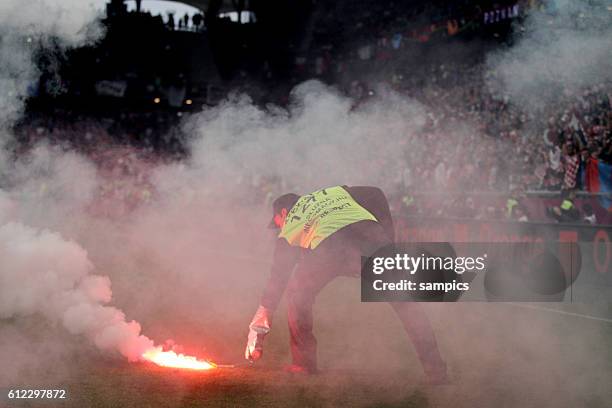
(259, 327)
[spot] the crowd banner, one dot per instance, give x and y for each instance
(500, 14)
(111, 88)
(598, 179)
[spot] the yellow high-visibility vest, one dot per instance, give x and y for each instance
(510, 204)
(316, 216)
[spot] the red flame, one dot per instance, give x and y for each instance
(171, 359)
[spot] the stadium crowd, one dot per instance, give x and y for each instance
(124, 147)
(476, 149)
(478, 155)
(475, 140)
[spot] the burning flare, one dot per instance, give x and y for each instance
(171, 359)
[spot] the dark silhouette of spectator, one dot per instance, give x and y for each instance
(170, 23)
(197, 20)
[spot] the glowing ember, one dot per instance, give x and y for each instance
(171, 359)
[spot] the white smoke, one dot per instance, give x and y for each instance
(43, 182)
(42, 273)
(319, 141)
(565, 45)
(23, 27)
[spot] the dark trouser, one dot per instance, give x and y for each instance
(340, 255)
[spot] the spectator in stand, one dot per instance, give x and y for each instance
(571, 164)
(520, 214)
(409, 205)
(514, 203)
(170, 22)
(567, 211)
(589, 215)
(197, 20)
(467, 209)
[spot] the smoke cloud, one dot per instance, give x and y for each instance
(42, 273)
(25, 27)
(318, 141)
(563, 47)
